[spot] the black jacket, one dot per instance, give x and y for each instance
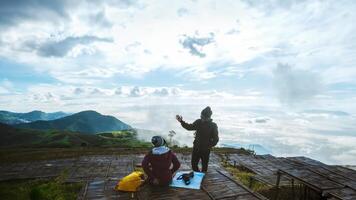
(206, 135)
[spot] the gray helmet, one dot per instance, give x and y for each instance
(158, 141)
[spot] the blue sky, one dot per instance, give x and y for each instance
(120, 56)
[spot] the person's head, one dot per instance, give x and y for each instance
(206, 113)
(158, 141)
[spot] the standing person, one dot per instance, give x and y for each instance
(157, 163)
(206, 137)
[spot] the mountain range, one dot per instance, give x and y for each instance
(90, 122)
(15, 137)
(7, 117)
(59, 129)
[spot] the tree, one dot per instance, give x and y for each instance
(171, 135)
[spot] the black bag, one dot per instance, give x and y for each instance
(186, 177)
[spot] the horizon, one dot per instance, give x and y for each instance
(279, 74)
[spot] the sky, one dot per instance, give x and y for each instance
(277, 73)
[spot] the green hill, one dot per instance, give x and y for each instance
(83, 122)
(7, 117)
(14, 137)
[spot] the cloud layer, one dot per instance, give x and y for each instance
(145, 55)
(61, 48)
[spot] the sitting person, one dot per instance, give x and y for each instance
(157, 163)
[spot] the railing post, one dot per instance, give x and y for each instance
(277, 184)
(293, 191)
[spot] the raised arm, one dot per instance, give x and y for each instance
(186, 125)
(189, 127)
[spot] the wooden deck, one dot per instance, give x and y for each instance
(330, 182)
(101, 174)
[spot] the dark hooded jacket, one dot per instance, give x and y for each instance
(206, 135)
(159, 166)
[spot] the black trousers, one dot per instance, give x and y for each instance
(200, 154)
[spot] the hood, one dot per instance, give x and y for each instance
(160, 150)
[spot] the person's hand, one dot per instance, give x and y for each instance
(155, 181)
(179, 118)
(173, 174)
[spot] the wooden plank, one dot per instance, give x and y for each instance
(332, 173)
(344, 193)
(102, 173)
(265, 170)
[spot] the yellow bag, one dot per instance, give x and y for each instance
(131, 182)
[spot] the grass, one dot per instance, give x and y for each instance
(125, 138)
(245, 176)
(54, 189)
(286, 192)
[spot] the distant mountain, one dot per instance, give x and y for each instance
(257, 148)
(329, 112)
(83, 122)
(14, 137)
(7, 117)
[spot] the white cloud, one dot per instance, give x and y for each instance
(6, 83)
(154, 108)
(47, 95)
(182, 12)
(284, 34)
(4, 90)
(195, 44)
(6, 87)
(209, 47)
(55, 47)
(296, 86)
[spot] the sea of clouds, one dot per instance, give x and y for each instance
(328, 136)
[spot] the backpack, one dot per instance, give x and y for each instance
(131, 182)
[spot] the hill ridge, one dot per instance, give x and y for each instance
(11, 118)
(88, 121)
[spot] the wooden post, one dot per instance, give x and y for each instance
(305, 193)
(277, 185)
(234, 163)
(301, 191)
(293, 191)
